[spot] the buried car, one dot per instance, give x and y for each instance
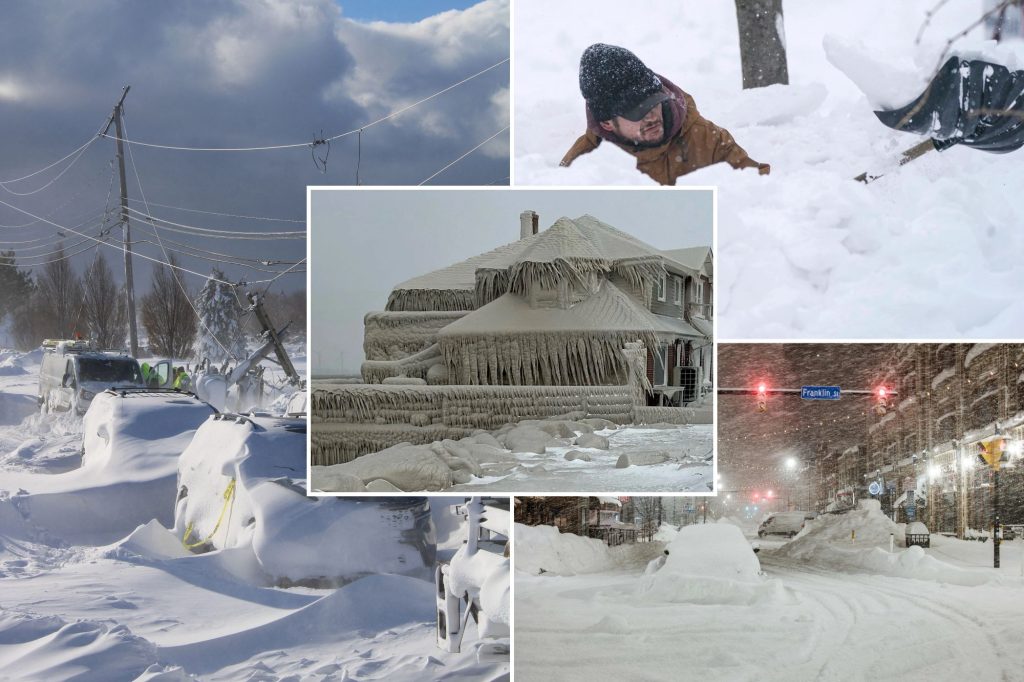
(784, 523)
(241, 487)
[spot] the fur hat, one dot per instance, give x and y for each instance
(614, 82)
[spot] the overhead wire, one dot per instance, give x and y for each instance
(226, 215)
(167, 258)
(55, 178)
(46, 168)
(259, 261)
(442, 170)
(100, 241)
(308, 144)
(49, 238)
(218, 234)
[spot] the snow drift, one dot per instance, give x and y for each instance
(858, 542)
(710, 564)
(546, 549)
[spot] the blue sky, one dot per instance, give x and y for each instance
(399, 10)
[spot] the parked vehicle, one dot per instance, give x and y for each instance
(72, 373)
(917, 534)
(784, 523)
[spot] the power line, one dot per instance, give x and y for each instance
(49, 238)
(220, 234)
(41, 170)
(259, 261)
(100, 241)
(464, 155)
(184, 291)
(226, 215)
(308, 144)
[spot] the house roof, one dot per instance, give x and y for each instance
(585, 239)
(609, 310)
(694, 258)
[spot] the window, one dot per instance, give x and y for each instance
(679, 290)
(659, 289)
(699, 290)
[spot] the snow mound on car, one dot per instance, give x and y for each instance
(242, 487)
(710, 564)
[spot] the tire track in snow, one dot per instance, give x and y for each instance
(956, 623)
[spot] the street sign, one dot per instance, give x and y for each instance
(875, 487)
(819, 392)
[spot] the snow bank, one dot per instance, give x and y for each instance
(710, 564)
(546, 549)
(241, 486)
(51, 648)
(858, 541)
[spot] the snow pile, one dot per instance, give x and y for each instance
(532, 455)
(803, 249)
(710, 564)
(858, 541)
(546, 549)
(241, 487)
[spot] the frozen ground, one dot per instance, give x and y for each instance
(551, 472)
(806, 251)
(800, 620)
(95, 583)
(537, 462)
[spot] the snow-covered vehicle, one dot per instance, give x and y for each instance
(72, 373)
(917, 534)
(475, 582)
(784, 523)
(241, 486)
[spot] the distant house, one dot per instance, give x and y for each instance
(554, 308)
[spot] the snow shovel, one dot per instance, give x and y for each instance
(970, 102)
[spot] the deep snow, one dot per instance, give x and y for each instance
(805, 252)
(716, 612)
(96, 585)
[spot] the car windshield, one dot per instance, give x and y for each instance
(109, 370)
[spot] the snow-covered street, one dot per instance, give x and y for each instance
(801, 619)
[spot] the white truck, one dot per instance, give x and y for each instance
(72, 373)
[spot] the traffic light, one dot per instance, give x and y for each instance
(762, 397)
(881, 397)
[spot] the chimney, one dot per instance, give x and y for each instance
(528, 221)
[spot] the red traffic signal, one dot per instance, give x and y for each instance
(762, 397)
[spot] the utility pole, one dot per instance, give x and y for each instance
(268, 329)
(129, 279)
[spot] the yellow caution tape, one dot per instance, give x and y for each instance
(229, 495)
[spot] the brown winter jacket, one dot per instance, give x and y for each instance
(695, 144)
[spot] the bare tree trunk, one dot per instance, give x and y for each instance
(762, 43)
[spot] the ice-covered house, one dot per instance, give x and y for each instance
(554, 308)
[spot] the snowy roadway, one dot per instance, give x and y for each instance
(827, 625)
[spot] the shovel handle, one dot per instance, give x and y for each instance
(908, 155)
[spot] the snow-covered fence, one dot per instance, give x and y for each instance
(480, 407)
(422, 414)
(662, 415)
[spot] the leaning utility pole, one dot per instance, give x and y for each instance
(129, 286)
